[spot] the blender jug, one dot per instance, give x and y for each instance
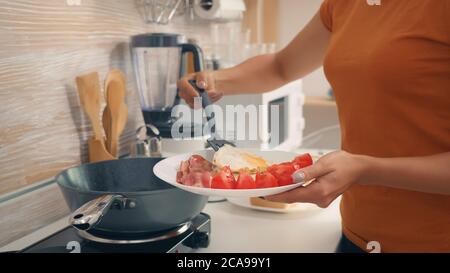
(159, 61)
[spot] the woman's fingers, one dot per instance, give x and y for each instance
(319, 193)
(309, 194)
(205, 80)
(333, 174)
(312, 172)
(202, 80)
(187, 91)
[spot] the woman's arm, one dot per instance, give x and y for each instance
(267, 72)
(336, 172)
(429, 174)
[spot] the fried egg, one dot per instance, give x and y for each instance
(238, 160)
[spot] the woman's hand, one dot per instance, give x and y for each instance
(205, 80)
(334, 173)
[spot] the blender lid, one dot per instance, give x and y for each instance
(158, 40)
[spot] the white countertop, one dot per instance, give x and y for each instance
(238, 229)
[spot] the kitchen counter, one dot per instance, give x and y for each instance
(238, 229)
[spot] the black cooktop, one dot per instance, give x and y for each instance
(190, 237)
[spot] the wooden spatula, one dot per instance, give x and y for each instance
(123, 118)
(89, 91)
(116, 112)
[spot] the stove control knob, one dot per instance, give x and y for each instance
(198, 240)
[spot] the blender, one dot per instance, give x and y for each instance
(159, 61)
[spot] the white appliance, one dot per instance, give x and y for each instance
(289, 99)
(220, 10)
(159, 61)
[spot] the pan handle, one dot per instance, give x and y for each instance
(91, 213)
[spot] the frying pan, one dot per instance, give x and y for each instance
(124, 196)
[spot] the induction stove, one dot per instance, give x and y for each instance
(183, 239)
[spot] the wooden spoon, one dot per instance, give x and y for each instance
(117, 111)
(89, 92)
(106, 119)
(123, 119)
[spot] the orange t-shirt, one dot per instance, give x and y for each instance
(389, 67)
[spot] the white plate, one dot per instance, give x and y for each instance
(167, 169)
(297, 207)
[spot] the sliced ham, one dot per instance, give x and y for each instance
(196, 171)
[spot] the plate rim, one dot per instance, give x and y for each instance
(288, 210)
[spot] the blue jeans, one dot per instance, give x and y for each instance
(346, 246)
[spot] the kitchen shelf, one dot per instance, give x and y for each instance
(320, 101)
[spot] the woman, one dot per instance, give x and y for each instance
(389, 67)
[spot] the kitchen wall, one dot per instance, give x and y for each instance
(293, 16)
(320, 113)
(44, 45)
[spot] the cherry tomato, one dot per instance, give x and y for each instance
(266, 180)
(224, 179)
(245, 181)
(283, 173)
(302, 161)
